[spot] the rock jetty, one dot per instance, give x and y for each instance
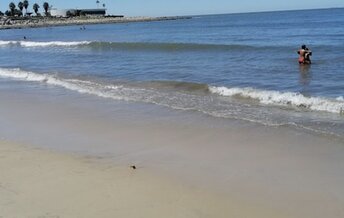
(35, 22)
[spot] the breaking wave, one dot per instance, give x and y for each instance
(129, 92)
(80, 86)
(245, 104)
(277, 98)
(130, 45)
(2, 43)
(147, 46)
(43, 44)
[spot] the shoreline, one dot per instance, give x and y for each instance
(54, 22)
(80, 149)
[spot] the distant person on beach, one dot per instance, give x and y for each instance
(304, 55)
(24, 37)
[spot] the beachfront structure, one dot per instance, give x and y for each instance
(59, 12)
(77, 12)
(90, 12)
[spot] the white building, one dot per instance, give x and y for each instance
(59, 12)
(77, 12)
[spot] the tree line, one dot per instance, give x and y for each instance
(17, 10)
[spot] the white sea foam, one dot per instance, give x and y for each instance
(4, 43)
(43, 44)
(283, 98)
(52, 43)
(70, 84)
(126, 93)
(22, 75)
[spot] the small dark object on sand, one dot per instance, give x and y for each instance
(133, 167)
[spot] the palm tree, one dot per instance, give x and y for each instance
(35, 8)
(21, 6)
(8, 13)
(26, 5)
(12, 7)
(46, 8)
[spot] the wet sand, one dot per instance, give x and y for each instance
(79, 149)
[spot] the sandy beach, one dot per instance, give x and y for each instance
(77, 158)
(37, 183)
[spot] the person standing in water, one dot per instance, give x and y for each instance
(304, 55)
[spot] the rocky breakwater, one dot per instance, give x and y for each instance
(33, 22)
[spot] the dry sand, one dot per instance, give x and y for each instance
(37, 183)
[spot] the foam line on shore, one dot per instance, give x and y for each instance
(184, 92)
(269, 97)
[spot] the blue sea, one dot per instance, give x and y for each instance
(231, 66)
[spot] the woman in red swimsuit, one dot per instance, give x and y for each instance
(304, 55)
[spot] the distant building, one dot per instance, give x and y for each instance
(59, 12)
(77, 12)
(91, 12)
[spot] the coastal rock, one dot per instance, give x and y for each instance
(29, 22)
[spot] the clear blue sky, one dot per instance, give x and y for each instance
(185, 7)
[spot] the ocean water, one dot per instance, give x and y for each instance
(233, 66)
